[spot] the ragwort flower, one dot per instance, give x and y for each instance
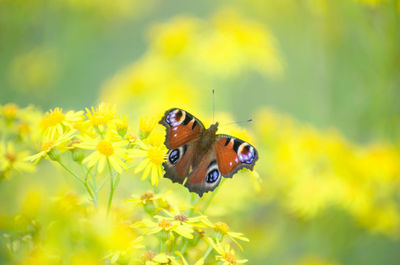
(224, 230)
(49, 147)
(101, 115)
(110, 149)
(226, 254)
(55, 121)
(153, 155)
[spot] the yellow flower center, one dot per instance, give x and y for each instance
(164, 224)
(230, 258)
(148, 255)
(105, 148)
(46, 146)
(52, 118)
(130, 137)
(10, 111)
(10, 156)
(147, 196)
(221, 228)
(156, 155)
(181, 217)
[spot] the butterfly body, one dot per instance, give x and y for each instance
(200, 154)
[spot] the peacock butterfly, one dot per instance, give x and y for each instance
(201, 154)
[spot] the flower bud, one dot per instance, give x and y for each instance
(146, 126)
(78, 155)
(54, 154)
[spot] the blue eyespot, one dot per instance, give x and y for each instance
(174, 156)
(212, 176)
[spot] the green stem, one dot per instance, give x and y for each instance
(208, 251)
(91, 188)
(72, 173)
(84, 182)
(110, 197)
(211, 197)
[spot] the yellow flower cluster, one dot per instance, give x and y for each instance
(314, 170)
(101, 143)
(18, 133)
(186, 234)
(188, 55)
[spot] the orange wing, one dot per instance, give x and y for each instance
(182, 128)
(234, 154)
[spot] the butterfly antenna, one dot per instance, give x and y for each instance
(238, 122)
(213, 99)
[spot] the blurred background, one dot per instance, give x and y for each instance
(319, 78)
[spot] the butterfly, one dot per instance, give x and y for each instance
(201, 155)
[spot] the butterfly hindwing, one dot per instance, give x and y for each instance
(183, 130)
(205, 176)
(234, 154)
(178, 163)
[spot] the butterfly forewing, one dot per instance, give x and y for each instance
(234, 154)
(183, 130)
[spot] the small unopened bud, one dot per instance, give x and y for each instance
(54, 154)
(122, 125)
(146, 126)
(78, 155)
(149, 207)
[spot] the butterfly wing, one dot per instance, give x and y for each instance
(205, 176)
(229, 155)
(183, 130)
(234, 154)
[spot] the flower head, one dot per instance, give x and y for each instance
(109, 150)
(146, 125)
(226, 254)
(49, 147)
(224, 230)
(55, 121)
(10, 111)
(101, 115)
(152, 158)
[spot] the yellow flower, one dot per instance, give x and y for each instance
(171, 39)
(226, 254)
(100, 116)
(148, 200)
(224, 230)
(10, 111)
(55, 121)
(153, 157)
(110, 150)
(164, 226)
(121, 125)
(13, 159)
(146, 125)
(181, 218)
(151, 258)
(49, 147)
